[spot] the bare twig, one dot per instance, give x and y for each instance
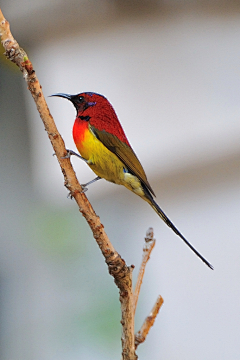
(148, 323)
(116, 265)
(149, 245)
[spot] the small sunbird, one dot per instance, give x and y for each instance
(103, 145)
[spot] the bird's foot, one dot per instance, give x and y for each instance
(70, 195)
(70, 153)
(84, 188)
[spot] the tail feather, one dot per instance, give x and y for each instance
(164, 217)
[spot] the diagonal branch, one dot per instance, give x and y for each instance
(116, 265)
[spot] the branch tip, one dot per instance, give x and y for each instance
(149, 235)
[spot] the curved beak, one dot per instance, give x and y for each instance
(66, 96)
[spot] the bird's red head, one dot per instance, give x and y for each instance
(97, 110)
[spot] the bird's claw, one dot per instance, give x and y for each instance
(69, 153)
(70, 196)
(84, 188)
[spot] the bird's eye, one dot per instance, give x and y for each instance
(80, 99)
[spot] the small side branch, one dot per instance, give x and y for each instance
(148, 323)
(149, 245)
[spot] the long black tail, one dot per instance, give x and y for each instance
(170, 224)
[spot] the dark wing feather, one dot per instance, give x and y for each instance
(124, 153)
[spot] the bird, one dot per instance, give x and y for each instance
(103, 145)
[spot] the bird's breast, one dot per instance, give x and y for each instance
(87, 144)
(102, 161)
(79, 130)
(82, 136)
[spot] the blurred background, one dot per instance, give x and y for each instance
(171, 69)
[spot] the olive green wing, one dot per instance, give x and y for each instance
(125, 153)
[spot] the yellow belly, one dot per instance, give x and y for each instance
(106, 164)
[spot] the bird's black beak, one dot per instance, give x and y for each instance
(66, 96)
